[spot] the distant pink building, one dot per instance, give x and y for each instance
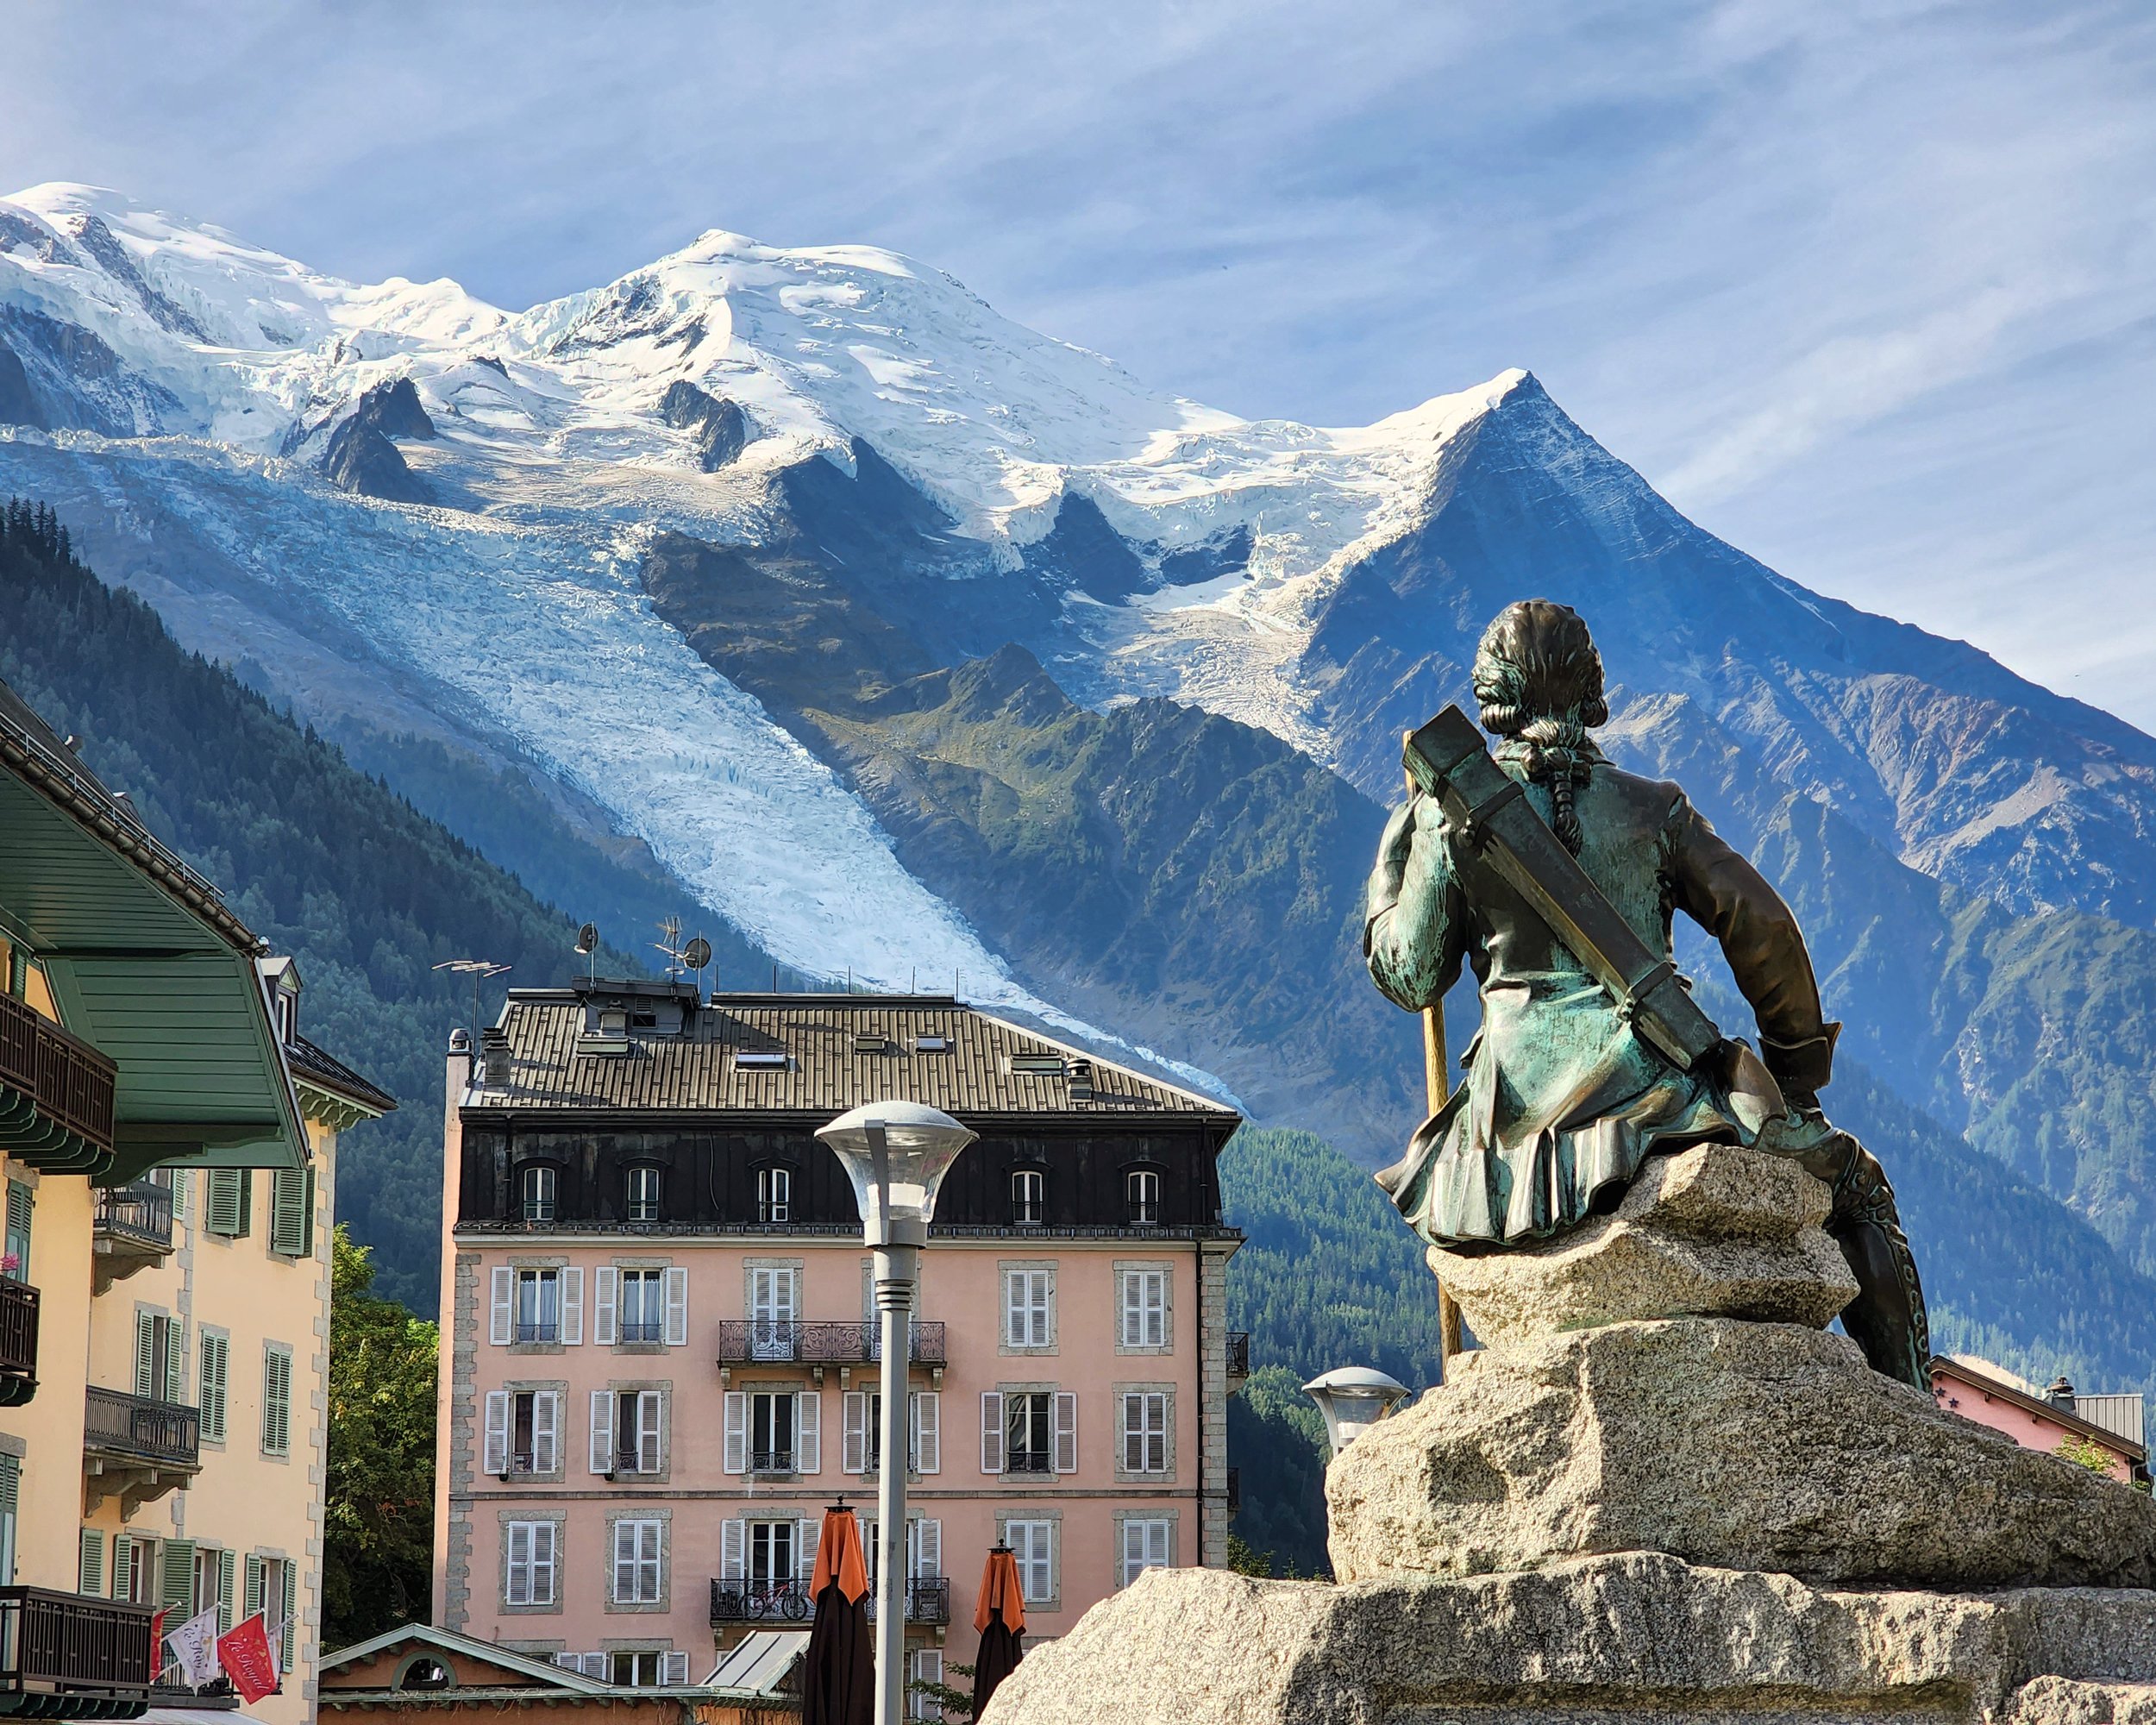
(2043, 1420)
(663, 1361)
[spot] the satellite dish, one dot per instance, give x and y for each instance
(697, 954)
(587, 937)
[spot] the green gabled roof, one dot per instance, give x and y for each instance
(146, 962)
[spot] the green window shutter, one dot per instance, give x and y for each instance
(145, 1354)
(176, 1362)
(253, 1588)
(122, 1567)
(179, 1592)
(228, 1186)
(288, 1211)
(224, 1592)
(181, 1181)
(291, 1605)
(91, 1578)
(307, 1216)
(18, 1236)
(277, 1401)
(216, 1354)
(246, 1177)
(10, 1477)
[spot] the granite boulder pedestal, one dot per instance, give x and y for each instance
(1660, 1490)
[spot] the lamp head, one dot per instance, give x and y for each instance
(1353, 1398)
(896, 1154)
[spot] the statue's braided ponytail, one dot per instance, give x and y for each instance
(1540, 682)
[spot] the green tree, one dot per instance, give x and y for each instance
(378, 1547)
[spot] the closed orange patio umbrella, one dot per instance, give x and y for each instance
(1000, 1618)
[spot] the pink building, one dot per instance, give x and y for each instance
(2044, 1420)
(663, 1352)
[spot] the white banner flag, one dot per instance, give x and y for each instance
(194, 1645)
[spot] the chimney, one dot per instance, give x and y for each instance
(2061, 1394)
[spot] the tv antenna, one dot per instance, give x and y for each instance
(693, 957)
(587, 945)
(480, 970)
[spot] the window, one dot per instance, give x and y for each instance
(775, 1194)
(926, 1665)
(210, 1565)
(533, 1559)
(643, 1314)
(771, 1431)
(771, 1552)
(159, 1357)
(133, 1573)
(1033, 1550)
(1145, 1431)
(231, 1202)
(270, 1591)
(14, 1256)
(1144, 1307)
(635, 1670)
(540, 1184)
(1027, 1428)
(90, 1568)
(539, 1301)
(863, 1445)
(292, 1212)
(277, 1399)
(523, 1431)
(1029, 1190)
(760, 1059)
(1039, 1065)
(287, 1004)
(10, 1490)
(637, 1567)
(1141, 1192)
(1145, 1547)
(931, 1045)
(1029, 1308)
(213, 1388)
(773, 1294)
(643, 1194)
(639, 1422)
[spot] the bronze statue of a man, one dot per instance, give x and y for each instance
(1564, 1097)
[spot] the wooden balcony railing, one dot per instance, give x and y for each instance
(139, 1428)
(95, 1651)
(55, 1094)
(18, 1341)
(744, 1340)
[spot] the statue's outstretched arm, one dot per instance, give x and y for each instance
(1415, 931)
(1760, 936)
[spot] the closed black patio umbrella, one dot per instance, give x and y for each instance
(1000, 1618)
(838, 1681)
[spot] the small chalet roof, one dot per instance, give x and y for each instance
(815, 1055)
(1989, 1379)
(759, 1662)
(752, 1672)
(318, 1068)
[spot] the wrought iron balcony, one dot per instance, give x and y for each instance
(760, 1602)
(1029, 1461)
(18, 1341)
(125, 1435)
(771, 1461)
(134, 1230)
(1238, 1355)
(66, 1656)
(766, 1339)
(56, 1094)
(927, 1600)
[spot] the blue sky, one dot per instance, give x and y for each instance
(1869, 289)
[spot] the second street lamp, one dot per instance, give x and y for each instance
(896, 1154)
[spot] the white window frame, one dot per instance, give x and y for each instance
(543, 1204)
(775, 1192)
(1141, 1310)
(1029, 1197)
(1141, 1196)
(536, 1565)
(1033, 1549)
(637, 1205)
(650, 1322)
(642, 1562)
(1029, 1309)
(1145, 1431)
(1153, 1537)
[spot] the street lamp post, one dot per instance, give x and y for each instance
(896, 1154)
(1353, 1398)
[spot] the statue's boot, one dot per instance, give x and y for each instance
(1886, 1320)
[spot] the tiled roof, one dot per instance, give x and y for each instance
(316, 1065)
(828, 1069)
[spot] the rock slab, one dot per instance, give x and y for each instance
(1630, 1638)
(1726, 1443)
(1719, 1231)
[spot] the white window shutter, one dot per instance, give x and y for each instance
(1155, 1331)
(737, 1432)
(853, 1457)
(499, 1329)
(805, 1533)
(1066, 1432)
(546, 1431)
(928, 1546)
(927, 1410)
(1132, 1281)
(571, 1308)
(495, 1455)
(596, 1665)
(928, 1668)
(602, 1431)
(808, 1431)
(649, 1414)
(991, 1431)
(605, 1306)
(677, 1308)
(733, 1541)
(1014, 1308)
(675, 1670)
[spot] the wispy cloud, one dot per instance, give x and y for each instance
(1810, 268)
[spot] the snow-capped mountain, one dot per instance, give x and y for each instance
(809, 573)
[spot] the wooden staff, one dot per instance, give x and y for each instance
(1437, 1081)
